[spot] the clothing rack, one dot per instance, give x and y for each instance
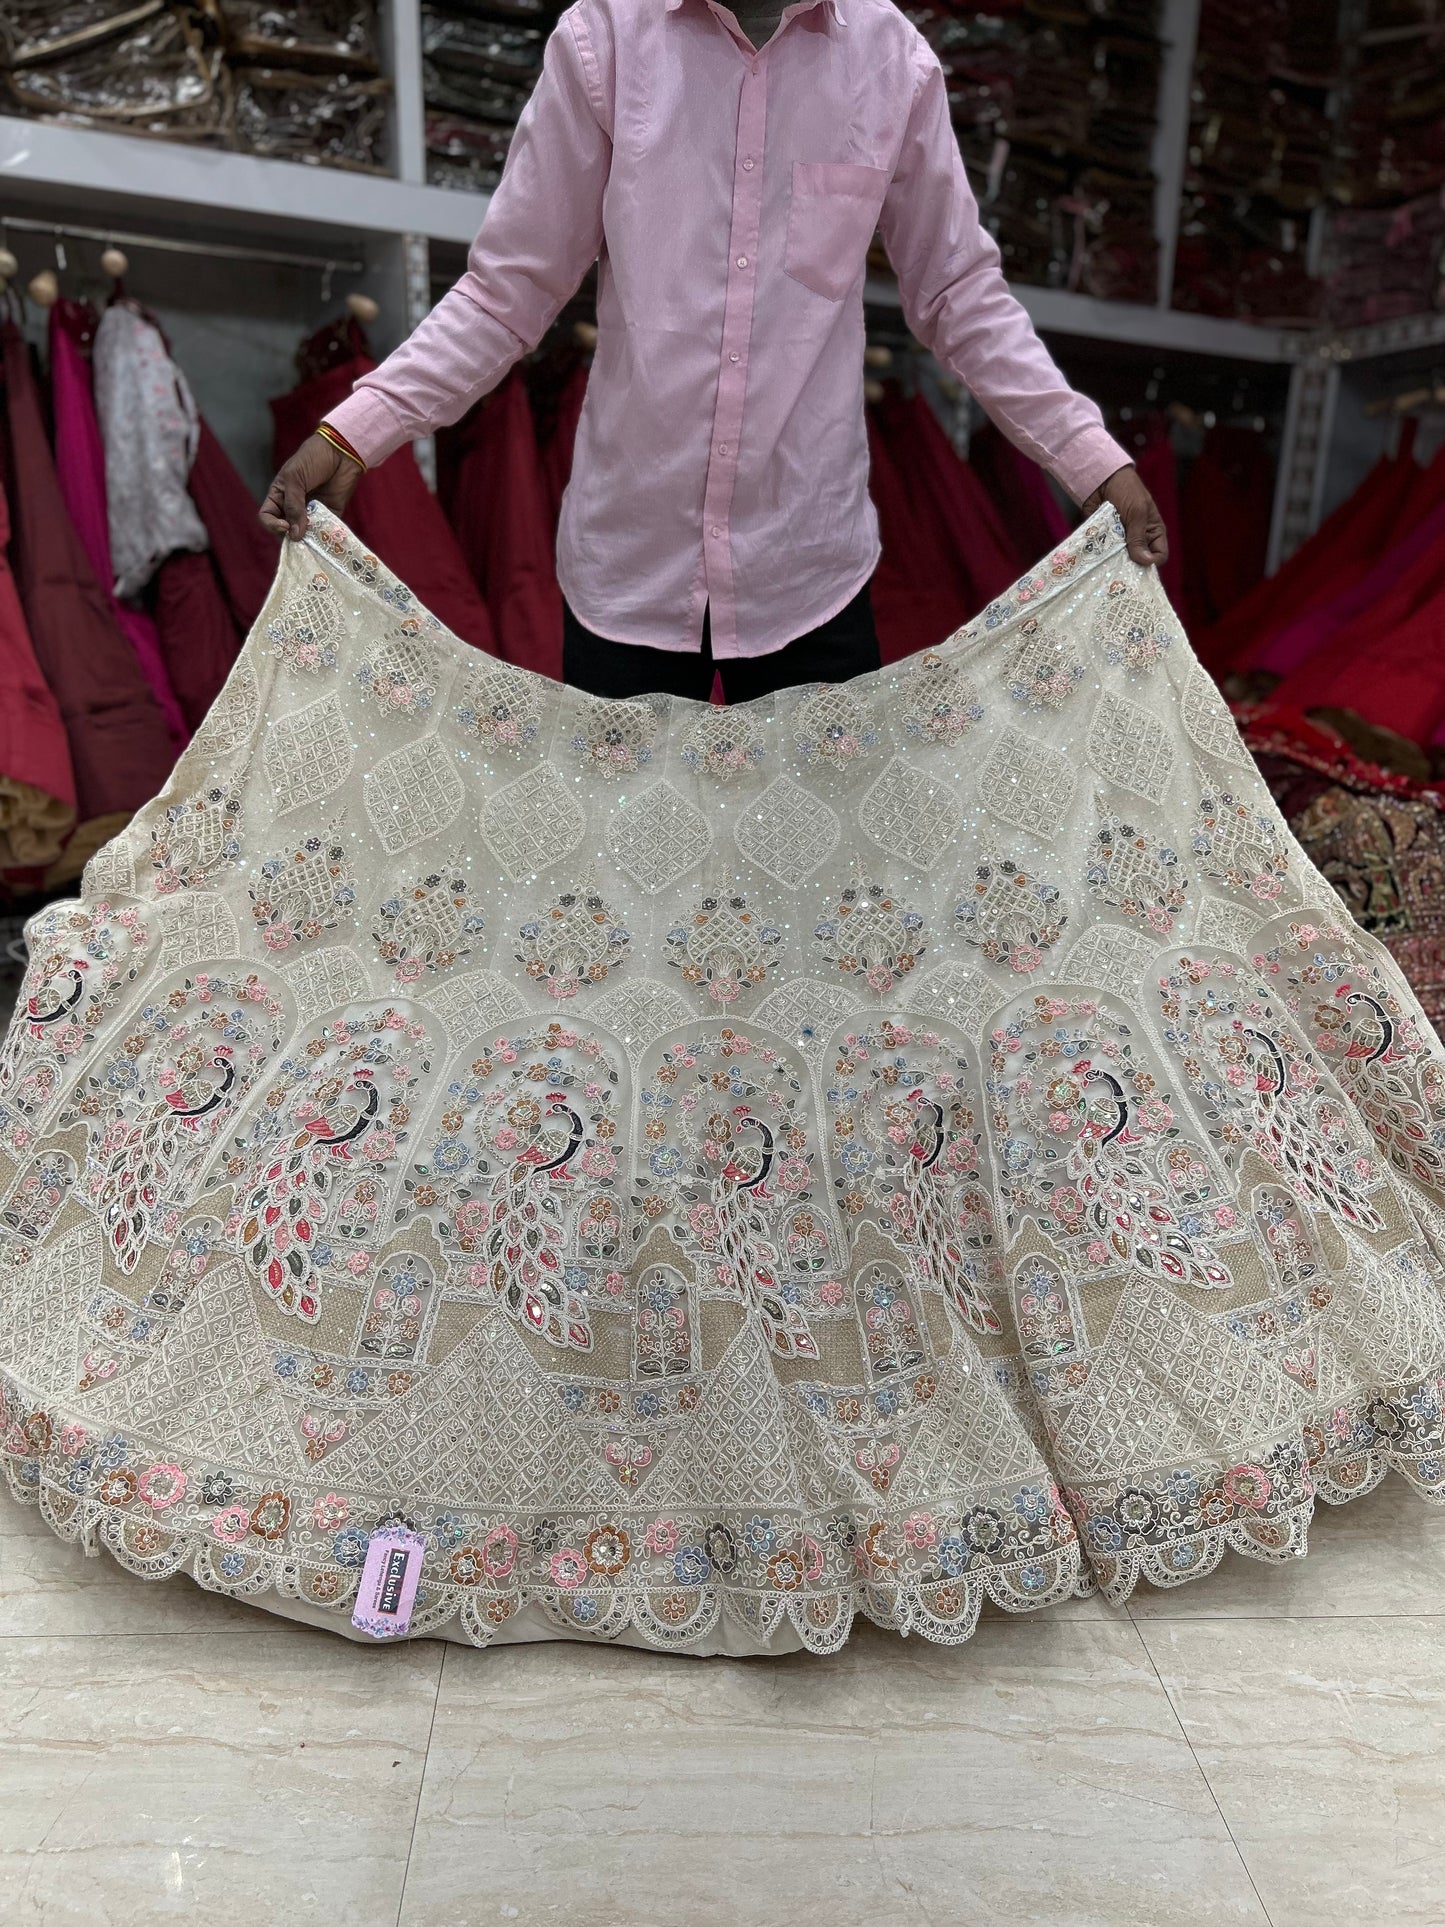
(329, 264)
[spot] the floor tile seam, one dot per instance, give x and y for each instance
(1199, 1767)
(421, 1783)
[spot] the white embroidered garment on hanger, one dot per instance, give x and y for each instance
(709, 1171)
(150, 427)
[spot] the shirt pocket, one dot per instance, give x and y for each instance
(832, 212)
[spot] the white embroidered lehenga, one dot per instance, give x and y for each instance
(714, 1171)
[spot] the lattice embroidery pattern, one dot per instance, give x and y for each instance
(787, 832)
(724, 743)
(399, 673)
(1028, 784)
(910, 814)
(1137, 877)
(308, 630)
(413, 795)
(615, 738)
(1132, 630)
(1012, 916)
(658, 837)
(302, 891)
(309, 754)
(231, 716)
(532, 823)
(723, 948)
(1207, 719)
(942, 703)
(641, 1344)
(579, 940)
(834, 726)
(1044, 669)
(498, 705)
(1129, 746)
(429, 926)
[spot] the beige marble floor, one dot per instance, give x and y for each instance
(1263, 1749)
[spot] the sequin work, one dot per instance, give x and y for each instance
(916, 1143)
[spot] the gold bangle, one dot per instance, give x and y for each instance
(329, 434)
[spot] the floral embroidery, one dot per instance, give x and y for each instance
(309, 629)
(1240, 846)
(398, 674)
(302, 893)
(943, 704)
(195, 839)
(1133, 631)
(723, 742)
(1043, 671)
(580, 941)
(868, 935)
(498, 705)
(428, 929)
(834, 726)
(724, 947)
(1139, 880)
(1011, 916)
(615, 738)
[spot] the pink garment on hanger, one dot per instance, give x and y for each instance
(1020, 492)
(942, 487)
(80, 467)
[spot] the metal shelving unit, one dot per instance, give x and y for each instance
(393, 220)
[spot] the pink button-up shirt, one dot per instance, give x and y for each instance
(731, 195)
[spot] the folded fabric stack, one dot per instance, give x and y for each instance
(480, 64)
(299, 82)
(1259, 158)
(1054, 105)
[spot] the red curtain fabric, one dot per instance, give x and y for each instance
(393, 511)
(119, 745)
(1159, 472)
(1020, 492)
(917, 600)
(1224, 512)
(947, 496)
(491, 484)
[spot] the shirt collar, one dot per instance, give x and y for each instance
(798, 6)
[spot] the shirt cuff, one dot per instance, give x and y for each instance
(1087, 460)
(366, 420)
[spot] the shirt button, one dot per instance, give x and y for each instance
(742, 260)
(715, 529)
(723, 449)
(734, 356)
(748, 164)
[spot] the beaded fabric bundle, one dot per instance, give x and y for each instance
(714, 1171)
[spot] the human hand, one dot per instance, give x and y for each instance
(1144, 531)
(318, 469)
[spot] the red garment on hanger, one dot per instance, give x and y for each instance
(33, 748)
(1360, 528)
(490, 483)
(917, 600)
(119, 746)
(199, 637)
(1020, 492)
(558, 447)
(1224, 513)
(944, 491)
(393, 511)
(1159, 472)
(245, 555)
(80, 470)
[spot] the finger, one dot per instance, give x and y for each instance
(273, 511)
(295, 504)
(1139, 532)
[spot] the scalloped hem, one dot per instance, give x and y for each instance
(709, 1622)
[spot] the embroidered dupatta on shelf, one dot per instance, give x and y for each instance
(714, 1171)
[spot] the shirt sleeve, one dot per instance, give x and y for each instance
(541, 233)
(957, 303)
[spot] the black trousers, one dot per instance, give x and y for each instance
(843, 646)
